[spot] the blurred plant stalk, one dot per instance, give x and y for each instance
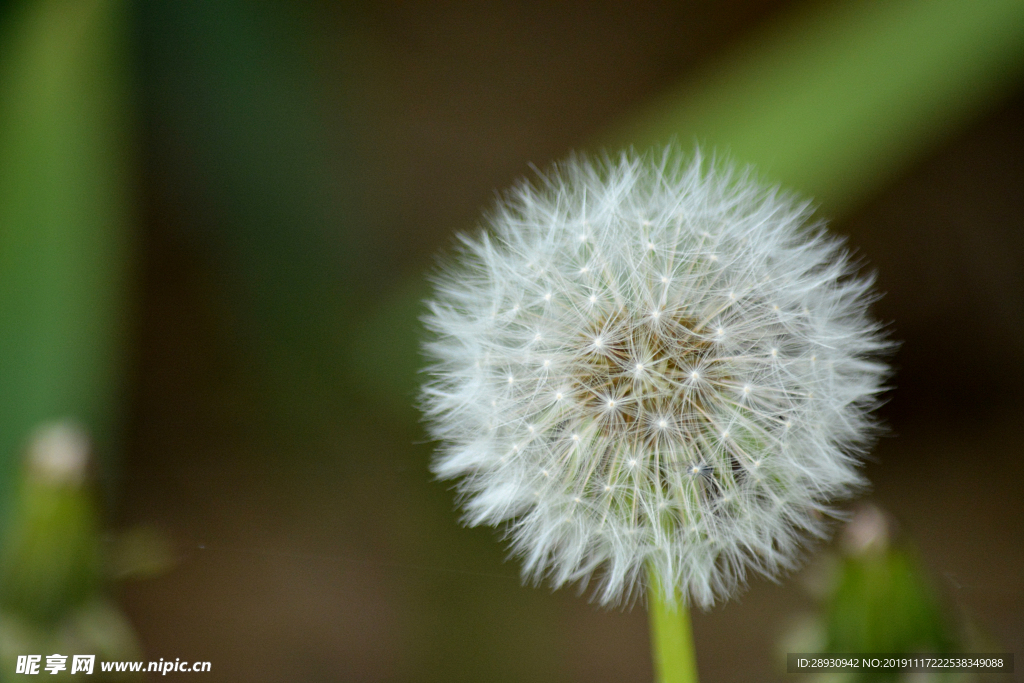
(65, 136)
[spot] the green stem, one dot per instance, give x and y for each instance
(671, 637)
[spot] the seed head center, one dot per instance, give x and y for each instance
(642, 371)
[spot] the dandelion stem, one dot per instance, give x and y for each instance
(671, 637)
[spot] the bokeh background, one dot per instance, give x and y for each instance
(275, 181)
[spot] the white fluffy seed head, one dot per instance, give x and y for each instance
(704, 441)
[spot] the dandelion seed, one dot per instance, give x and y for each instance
(653, 372)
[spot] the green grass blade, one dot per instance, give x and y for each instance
(834, 101)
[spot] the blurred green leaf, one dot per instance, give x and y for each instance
(837, 98)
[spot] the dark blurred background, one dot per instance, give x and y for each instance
(298, 167)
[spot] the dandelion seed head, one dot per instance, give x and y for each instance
(645, 384)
